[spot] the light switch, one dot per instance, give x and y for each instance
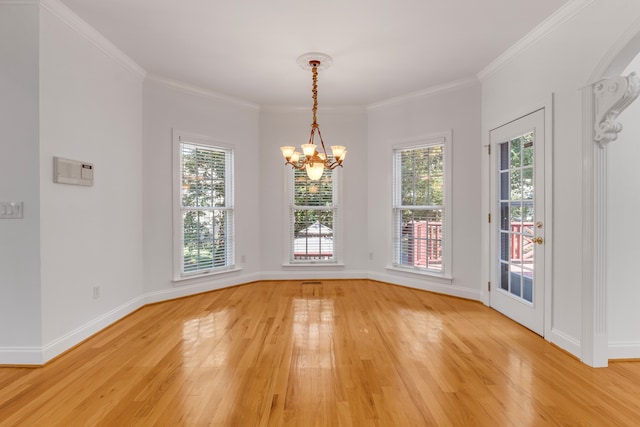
(10, 210)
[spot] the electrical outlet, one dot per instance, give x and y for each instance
(370, 256)
(243, 259)
(96, 292)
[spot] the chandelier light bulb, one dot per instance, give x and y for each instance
(314, 171)
(287, 151)
(308, 150)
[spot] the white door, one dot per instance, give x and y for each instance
(518, 223)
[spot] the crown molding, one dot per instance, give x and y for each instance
(562, 15)
(73, 21)
(18, 2)
(196, 90)
(434, 90)
(297, 109)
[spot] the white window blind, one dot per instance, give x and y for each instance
(206, 230)
(420, 235)
(313, 217)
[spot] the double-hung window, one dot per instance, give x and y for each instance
(313, 217)
(421, 208)
(203, 226)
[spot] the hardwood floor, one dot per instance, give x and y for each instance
(339, 353)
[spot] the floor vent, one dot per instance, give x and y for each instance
(311, 283)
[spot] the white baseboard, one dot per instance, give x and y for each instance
(306, 274)
(624, 350)
(198, 287)
(427, 284)
(80, 334)
(21, 356)
(41, 355)
(565, 342)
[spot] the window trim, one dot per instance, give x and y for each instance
(337, 230)
(444, 138)
(178, 138)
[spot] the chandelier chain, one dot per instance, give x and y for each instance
(314, 91)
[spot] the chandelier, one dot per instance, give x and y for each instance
(314, 161)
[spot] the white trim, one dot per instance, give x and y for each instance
(432, 91)
(39, 355)
(73, 21)
(21, 355)
(307, 264)
(562, 15)
(309, 274)
(596, 349)
(19, 2)
(431, 284)
(618, 57)
(198, 286)
(594, 172)
(337, 260)
(177, 138)
(432, 275)
(340, 109)
(70, 339)
(192, 89)
(624, 350)
(546, 103)
(446, 139)
(231, 269)
(564, 341)
(595, 165)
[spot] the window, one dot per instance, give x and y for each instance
(313, 217)
(420, 209)
(204, 233)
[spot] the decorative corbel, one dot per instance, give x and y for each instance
(612, 96)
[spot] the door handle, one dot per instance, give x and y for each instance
(538, 240)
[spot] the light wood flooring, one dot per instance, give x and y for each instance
(339, 353)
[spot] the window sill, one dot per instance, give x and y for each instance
(439, 277)
(313, 264)
(208, 274)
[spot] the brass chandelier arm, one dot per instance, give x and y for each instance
(328, 163)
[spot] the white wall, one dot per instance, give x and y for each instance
(340, 126)
(19, 181)
(457, 109)
(85, 104)
(167, 107)
(90, 110)
(561, 63)
(623, 246)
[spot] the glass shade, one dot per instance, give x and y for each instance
(287, 151)
(295, 157)
(308, 150)
(315, 172)
(338, 151)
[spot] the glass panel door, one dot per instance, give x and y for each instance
(517, 237)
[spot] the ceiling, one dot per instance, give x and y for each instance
(247, 49)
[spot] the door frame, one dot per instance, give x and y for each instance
(545, 104)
